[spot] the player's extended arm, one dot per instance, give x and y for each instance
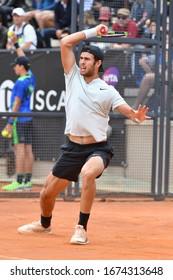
(68, 42)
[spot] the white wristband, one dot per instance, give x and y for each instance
(89, 33)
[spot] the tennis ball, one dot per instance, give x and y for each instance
(5, 133)
(10, 33)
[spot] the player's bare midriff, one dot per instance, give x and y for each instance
(82, 140)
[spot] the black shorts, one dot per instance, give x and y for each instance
(74, 156)
(23, 132)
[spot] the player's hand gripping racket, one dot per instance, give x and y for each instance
(112, 33)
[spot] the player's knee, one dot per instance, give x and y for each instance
(44, 194)
(87, 174)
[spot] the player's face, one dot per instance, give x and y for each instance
(87, 64)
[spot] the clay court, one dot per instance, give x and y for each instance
(119, 229)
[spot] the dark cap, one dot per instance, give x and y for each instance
(22, 60)
(96, 52)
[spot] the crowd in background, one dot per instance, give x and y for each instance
(37, 23)
(52, 18)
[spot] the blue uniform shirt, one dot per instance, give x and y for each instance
(23, 88)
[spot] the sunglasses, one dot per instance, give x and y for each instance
(104, 20)
(121, 17)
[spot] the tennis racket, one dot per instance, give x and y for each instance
(114, 34)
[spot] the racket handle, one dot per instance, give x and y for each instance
(103, 30)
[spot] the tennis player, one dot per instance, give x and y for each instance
(87, 152)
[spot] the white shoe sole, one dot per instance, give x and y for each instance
(75, 242)
(33, 232)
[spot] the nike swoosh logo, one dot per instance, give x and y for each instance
(102, 88)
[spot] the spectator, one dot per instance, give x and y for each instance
(21, 127)
(89, 20)
(3, 35)
(105, 15)
(92, 10)
(147, 62)
(125, 23)
(104, 18)
(7, 7)
(150, 29)
(112, 4)
(62, 12)
(43, 16)
(142, 10)
(148, 82)
(26, 34)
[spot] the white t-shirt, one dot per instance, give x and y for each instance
(29, 35)
(88, 105)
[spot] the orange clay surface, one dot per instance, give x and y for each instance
(121, 229)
